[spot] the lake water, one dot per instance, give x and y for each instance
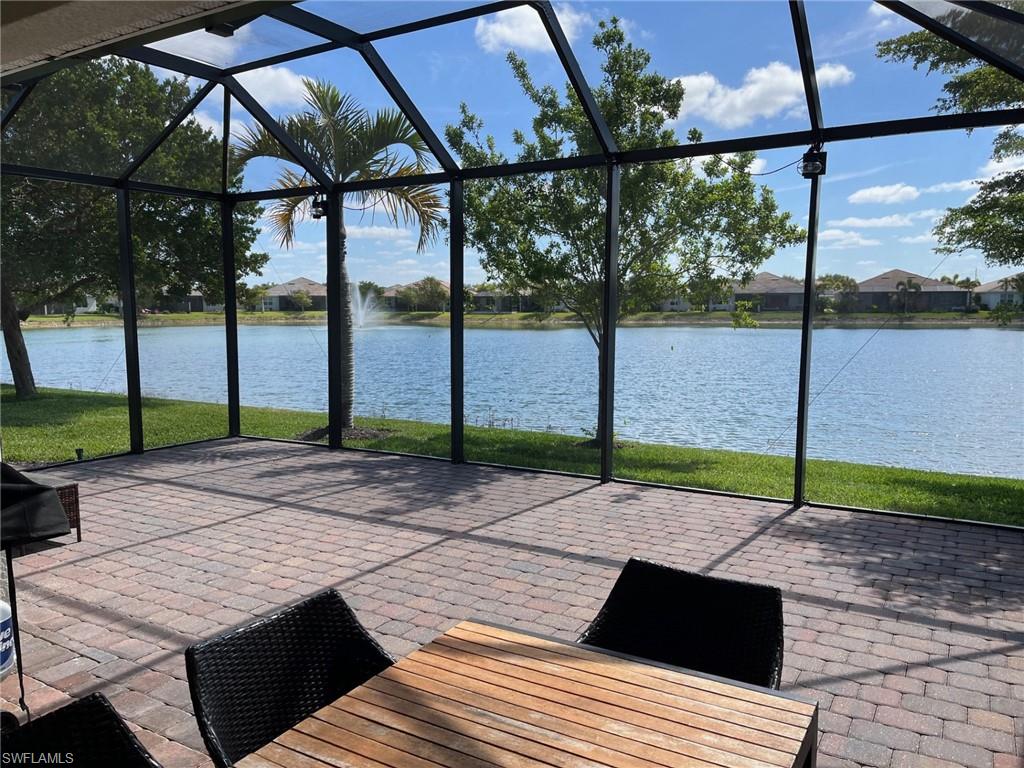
(945, 399)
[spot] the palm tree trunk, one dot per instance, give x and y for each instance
(347, 362)
(17, 352)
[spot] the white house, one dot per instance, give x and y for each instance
(993, 293)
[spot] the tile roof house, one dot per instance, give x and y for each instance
(882, 292)
(994, 292)
(278, 297)
(771, 292)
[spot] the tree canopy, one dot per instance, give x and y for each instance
(679, 221)
(993, 220)
(60, 241)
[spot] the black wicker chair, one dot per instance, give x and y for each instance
(722, 627)
(88, 730)
(253, 684)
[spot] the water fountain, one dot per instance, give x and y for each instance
(364, 307)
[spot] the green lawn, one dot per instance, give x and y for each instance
(48, 429)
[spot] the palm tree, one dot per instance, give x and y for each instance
(350, 144)
(968, 284)
(903, 290)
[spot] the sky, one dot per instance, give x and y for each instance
(738, 64)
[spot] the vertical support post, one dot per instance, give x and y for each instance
(609, 315)
(335, 296)
(225, 149)
(806, 331)
(227, 234)
(129, 315)
(456, 245)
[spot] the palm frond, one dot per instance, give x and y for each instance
(257, 142)
(287, 212)
(419, 205)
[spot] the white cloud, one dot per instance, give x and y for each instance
(891, 193)
(927, 213)
(839, 239)
(953, 186)
(273, 87)
(995, 167)
(895, 220)
(866, 263)
(406, 263)
(377, 232)
(521, 28)
(765, 92)
(924, 237)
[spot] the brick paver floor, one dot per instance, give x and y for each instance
(910, 634)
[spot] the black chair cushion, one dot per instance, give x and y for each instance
(722, 627)
(88, 733)
(253, 684)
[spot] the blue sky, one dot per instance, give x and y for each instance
(738, 63)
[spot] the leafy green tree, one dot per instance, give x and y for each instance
(742, 315)
(432, 293)
(546, 231)
(370, 288)
(60, 241)
(251, 297)
(993, 221)
(843, 289)
(350, 144)
(409, 295)
(301, 299)
(1005, 312)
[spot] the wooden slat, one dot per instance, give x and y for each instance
(692, 741)
(362, 737)
(482, 696)
(595, 687)
(732, 692)
(679, 695)
(640, 747)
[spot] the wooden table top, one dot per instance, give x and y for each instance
(481, 696)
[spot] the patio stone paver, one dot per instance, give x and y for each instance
(909, 633)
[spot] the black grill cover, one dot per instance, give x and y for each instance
(29, 511)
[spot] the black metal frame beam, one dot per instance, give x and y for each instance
(129, 319)
(457, 302)
(605, 139)
(71, 177)
(343, 36)
(437, 21)
(16, 101)
(952, 36)
(177, 120)
(991, 9)
(227, 235)
(807, 330)
(173, 62)
(806, 55)
(609, 317)
(276, 130)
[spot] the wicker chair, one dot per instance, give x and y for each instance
(727, 628)
(253, 684)
(88, 729)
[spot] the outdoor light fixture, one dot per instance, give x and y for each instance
(318, 207)
(812, 163)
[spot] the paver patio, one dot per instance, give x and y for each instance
(909, 633)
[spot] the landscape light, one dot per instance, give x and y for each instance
(318, 207)
(812, 164)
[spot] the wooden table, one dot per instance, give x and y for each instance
(481, 696)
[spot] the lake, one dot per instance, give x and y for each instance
(942, 399)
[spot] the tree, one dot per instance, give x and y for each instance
(546, 231)
(350, 144)
(904, 290)
(992, 221)
(301, 299)
(60, 241)
(843, 290)
(432, 293)
(370, 288)
(251, 297)
(410, 296)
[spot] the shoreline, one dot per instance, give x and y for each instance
(531, 321)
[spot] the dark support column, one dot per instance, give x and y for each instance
(456, 244)
(129, 315)
(609, 315)
(807, 328)
(227, 234)
(335, 293)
